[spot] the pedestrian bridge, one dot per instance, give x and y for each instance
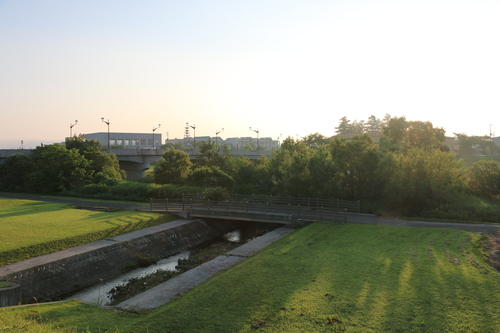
(268, 209)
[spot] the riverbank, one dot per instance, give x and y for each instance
(57, 274)
(323, 277)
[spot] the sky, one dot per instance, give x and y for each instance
(284, 68)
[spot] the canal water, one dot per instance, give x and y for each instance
(99, 294)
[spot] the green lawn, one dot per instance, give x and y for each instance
(322, 278)
(31, 228)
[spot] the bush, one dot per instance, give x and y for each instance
(172, 191)
(210, 177)
(215, 193)
(483, 179)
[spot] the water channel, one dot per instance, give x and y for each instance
(99, 294)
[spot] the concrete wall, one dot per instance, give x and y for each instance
(54, 275)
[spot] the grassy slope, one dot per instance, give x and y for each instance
(31, 228)
(354, 278)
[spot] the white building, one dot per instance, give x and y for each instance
(238, 143)
(127, 140)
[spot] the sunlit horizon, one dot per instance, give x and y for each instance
(286, 68)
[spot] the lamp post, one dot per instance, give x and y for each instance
(154, 129)
(217, 133)
(107, 123)
(194, 135)
(71, 128)
(256, 131)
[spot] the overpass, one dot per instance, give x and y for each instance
(136, 161)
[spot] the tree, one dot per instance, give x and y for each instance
(358, 127)
(58, 169)
(251, 177)
(373, 124)
(420, 180)
(344, 127)
(316, 140)
(289, 173)
(15, 172)
(210, 177)
(356, 162)
(173, 168)
(469, 145)
(400, 135)
(100, 161)
(322, 171)
(483, 179)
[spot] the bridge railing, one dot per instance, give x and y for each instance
(259, 202)
(313, 203)
(271, 211)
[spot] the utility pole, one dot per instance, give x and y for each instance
(107, 123)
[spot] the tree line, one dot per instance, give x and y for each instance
(57, 168)
(409, 171)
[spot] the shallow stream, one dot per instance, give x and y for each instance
(99, 294)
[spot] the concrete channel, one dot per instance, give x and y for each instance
(55, 275)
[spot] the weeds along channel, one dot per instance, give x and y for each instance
(141, 279)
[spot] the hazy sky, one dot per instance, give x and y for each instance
(282, 67)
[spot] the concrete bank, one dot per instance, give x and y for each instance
(57, 274)
(164, 292)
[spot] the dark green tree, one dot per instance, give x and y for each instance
(471, 145)
(15, 172)
(356, 162)
(59, 169)
(210, 177)
(400, 135)
(344, 127)
(315, 140)
(100, 162)
(483, 179)
(420, 180)
(251, 177)
(373, 124)
(173, 168)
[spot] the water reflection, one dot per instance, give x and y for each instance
(99, 293)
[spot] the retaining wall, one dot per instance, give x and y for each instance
(57, 274)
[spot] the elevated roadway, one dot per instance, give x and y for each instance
(136, 161)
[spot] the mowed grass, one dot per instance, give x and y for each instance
(32, 228)
(322, 278)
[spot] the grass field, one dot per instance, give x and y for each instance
(31, 228)
(322, 278)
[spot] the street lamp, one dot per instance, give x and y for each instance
(217, 133)
(154, 129)
(256, 131)
(71, 128)
(194, 135)
(107, 123)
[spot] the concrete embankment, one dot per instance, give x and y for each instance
(164, 292)
(54, 275)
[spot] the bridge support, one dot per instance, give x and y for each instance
(133, 169)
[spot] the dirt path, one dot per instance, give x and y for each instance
(492, 246)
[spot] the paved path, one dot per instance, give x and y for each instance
(77, 201)
(165, 292)
(351, 217)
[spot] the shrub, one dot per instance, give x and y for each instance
(215, 193)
